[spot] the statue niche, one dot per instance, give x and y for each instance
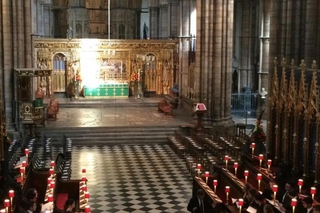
(59, 73)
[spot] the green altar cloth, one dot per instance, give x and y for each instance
(107, 90)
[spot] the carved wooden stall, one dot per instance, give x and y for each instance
(103, 68)
(294, 119)
(29, 102)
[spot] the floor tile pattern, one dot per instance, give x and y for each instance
(133, 178)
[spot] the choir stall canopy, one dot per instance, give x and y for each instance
(29, 104)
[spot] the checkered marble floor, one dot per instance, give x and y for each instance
(133, 178)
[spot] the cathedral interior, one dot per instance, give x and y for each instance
(137, 105)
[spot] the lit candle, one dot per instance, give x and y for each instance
(84, 188)
(11, 195)
(259, 178)
(235, 166)
(300, 184)
(269, 162)
(22, 173)
(275, 190)
(313, 191)
(215, 184)
(246, 174)
(84, 179)
(86, 195)
(52, 184)
(199, 168)
(227, 191)
(226, 158)
(87, 209)
(207, 176)
(253, 145)
(51, 172)
(293, 204)
(49, 180)
(84, 170)
(6, 205)
(240, 204)
(26, 152)
(24, 164)
(50, 198)
(52, 164)
(260, 159)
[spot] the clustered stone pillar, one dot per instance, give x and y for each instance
(16, 48)
(214, 59)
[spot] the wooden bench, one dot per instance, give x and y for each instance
(165, 107)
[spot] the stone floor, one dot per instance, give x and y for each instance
(128, 178)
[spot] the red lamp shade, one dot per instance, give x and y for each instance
(6, 203)
(24, 164)
(51, 171)
(261, 157)
(21, 169)
(84, 188)
(240, 202)
(259, 176)
(84, 170)
(226, 157)
(269, 162)
(198, 166)
(87, 209)
(313, 190)
(206, 174)
(26, 151)
(52, 163)
(86, 195)
(84, 178)
(293, 202)
(11, 193)
(215, 182)
(50, 198)
(227, 189)
(52, 184)
(49, 180)
(236, 165)
(300, 182)
(246, 173)
(275, 188)
(253, 145)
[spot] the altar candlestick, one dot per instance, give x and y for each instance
(275, 190)
(240, 204)
(293, 204)
(253, 146)
(227, 191)
(313, 192)
(235, 166)
(207, 176)
(269, 164)
(246, 174)
(300, 184)
(226, 158)
(215, 184)
(260, 159)
(259, 178)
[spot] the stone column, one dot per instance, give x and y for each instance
(154, 19)
(163, 21)
(214, 59)
(174, 18)
(312, 39)
(7, 59)
(265, 7)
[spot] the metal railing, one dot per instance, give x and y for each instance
(245, 104)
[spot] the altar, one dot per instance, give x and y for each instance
(107, 90)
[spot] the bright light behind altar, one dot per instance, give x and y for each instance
(90, 64)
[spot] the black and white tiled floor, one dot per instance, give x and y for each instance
(133, 178)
